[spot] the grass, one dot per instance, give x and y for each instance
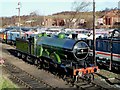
(106, 74)
(6, 84)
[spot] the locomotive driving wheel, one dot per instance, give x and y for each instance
(18, 54)
(55, 57)
(55, 60)
(38, 63)
(46, 62)
(24, 57)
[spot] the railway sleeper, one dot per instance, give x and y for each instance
(36, 84)
(94, 88)
(23, 78)
(85, 86)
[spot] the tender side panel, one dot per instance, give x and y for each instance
(22, 45)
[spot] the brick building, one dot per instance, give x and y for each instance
(111, 18)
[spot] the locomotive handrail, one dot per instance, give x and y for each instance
(82, 48)
(114, 32)
(111, 47)
(81, 52)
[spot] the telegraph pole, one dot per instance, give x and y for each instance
(19, 6)
(94, 39)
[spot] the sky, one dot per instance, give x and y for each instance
(47, 7)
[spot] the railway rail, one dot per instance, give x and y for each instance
(25, 78)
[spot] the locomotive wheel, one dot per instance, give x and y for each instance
(46, 64)
(38, 63)
(32, 61)
(35, 62)
(23, 57)
(89, 77)
(55, 57)
(45, 53)
(29, 60)
(18, 54)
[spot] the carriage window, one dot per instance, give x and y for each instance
(108, 46)
(98, 44)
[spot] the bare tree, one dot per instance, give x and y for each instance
(34, 13)
(75, 14)
(36, 18)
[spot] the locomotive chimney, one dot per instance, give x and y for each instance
(74, 36)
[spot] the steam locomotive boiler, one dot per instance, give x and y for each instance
(65, 56)
(67, 49)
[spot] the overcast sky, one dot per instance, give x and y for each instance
(47, 7)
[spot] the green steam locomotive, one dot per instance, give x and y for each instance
(66, 57)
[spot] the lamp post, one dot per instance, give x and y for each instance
(94, 40)
(19, 6)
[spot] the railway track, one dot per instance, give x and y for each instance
(86, 85)
(25, 78)
(31, 82)
(82, 84)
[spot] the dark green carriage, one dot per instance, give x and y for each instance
(22, 45)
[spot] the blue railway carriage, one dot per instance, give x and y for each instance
(108, 50)
(10, 36)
